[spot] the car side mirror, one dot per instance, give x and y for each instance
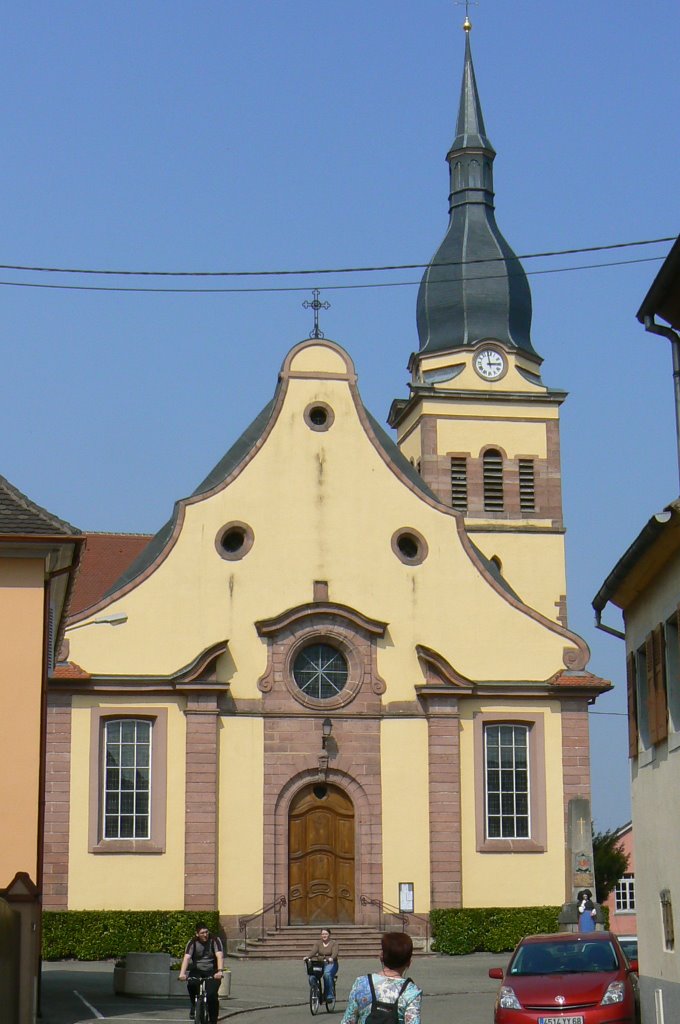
(633, 967)
(496, 972)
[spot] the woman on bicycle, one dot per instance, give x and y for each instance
(326, 949)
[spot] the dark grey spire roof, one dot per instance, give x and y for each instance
(485, 293)
(21, 516)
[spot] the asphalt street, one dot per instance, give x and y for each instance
(457, 990)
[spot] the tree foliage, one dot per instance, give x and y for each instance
(609, 861)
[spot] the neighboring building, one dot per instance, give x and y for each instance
(343, 664)
(621, 902)
(645, 585)
(38, 553)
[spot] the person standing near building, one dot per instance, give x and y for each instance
(203, 958)
(387, 988)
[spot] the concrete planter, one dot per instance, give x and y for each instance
(150, 974)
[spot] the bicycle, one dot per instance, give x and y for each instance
(317, 987)
(202, 1016)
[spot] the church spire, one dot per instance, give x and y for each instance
(475, 287)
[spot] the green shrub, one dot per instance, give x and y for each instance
(108, 934)
(488, 929)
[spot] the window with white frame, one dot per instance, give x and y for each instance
(624, 895)
(506, 761)
(127, 779)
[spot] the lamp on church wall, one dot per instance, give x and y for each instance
(326, 730)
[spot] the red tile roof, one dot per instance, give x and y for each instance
(106, 556)
(572, 680)
(70, 670)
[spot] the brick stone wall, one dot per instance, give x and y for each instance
(575, 751)
(201, 842)
(57, 802)
(446, 873)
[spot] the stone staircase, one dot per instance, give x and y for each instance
(294, 942)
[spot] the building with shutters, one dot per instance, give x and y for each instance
(341, 673)
(645, 585)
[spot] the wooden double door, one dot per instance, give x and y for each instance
(321, 856)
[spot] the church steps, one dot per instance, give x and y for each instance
(295, 941)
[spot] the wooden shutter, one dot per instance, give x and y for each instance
(660, 693)
(632, 708)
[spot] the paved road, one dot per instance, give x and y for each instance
(457, 990)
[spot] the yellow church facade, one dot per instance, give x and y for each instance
(343, 665)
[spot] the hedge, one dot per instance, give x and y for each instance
(109, 934)
(488, 929)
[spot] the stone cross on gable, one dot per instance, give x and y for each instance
(316, 304)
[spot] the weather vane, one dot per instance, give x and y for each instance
(467, 4)
(316, 304)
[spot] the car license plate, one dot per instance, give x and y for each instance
(578, 1019)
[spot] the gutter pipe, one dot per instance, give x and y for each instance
(667, 332)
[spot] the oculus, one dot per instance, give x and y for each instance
(320, 671)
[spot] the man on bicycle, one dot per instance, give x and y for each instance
(203, 958)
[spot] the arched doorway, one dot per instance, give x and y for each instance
(321, 856)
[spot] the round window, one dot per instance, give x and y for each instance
(409, 546)
(319, 416)
(320, 671)
(234, 541)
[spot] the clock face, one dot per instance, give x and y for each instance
(489, 364)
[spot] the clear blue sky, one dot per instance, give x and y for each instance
(269, 135)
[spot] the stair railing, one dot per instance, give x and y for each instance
(387, 908)
(276, 905)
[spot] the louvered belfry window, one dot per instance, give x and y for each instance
(493, 481)
(459, 487)
(527, 486)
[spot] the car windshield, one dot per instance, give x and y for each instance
(564, 958)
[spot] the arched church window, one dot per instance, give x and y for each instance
(475, 174)
(493, 480)
(458, 175)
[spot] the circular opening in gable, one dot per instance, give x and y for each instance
(409, 546)
(234, 541)
(320, 671)
(319, 416)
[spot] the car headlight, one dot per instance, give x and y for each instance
(507, 999)
(616, 993)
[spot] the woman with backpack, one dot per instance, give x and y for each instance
(386, 998)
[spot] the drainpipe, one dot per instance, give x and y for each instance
(674, 338)
(607, 629)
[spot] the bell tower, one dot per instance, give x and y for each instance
(479, 423)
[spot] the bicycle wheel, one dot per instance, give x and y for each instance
(202, 1010)
(314, 997)
(330, 1003)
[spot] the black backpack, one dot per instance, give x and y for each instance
(384, 1013)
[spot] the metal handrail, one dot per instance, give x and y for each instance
(400, 916)
(243, 922)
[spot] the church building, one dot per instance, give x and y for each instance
(340, 676)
